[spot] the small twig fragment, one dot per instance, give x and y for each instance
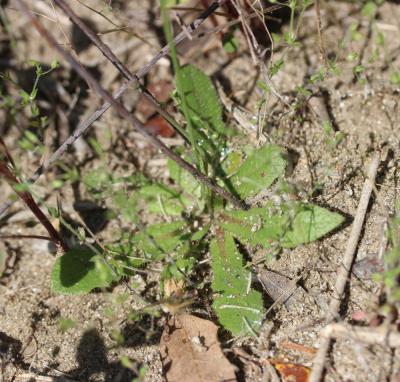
(320, 38)
(381, 335)
(298, 347)
(8, 172)
(345, 267)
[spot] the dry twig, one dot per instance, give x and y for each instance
(382, 335)
(84, 126)
(7, 170)
(320, 38)
(109, 55)
(345, 267)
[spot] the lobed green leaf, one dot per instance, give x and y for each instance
(239, 309)
(289, 224)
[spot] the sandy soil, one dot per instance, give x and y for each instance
(366, 113)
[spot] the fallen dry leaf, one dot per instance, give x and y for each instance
(280, 288)
(190, 351)
(291, 372)
(159, 126)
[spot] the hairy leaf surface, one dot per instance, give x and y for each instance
(290, 224)
(202, 100)
(239, 308)
(261, 168)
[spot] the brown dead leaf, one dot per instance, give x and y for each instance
(280, 288)
(190, 351)
(159, 126)
(291, 372)
(161, 91)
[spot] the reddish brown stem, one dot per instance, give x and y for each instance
(27, 197)
(39, 237)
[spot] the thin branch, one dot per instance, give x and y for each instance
(383, 335)
(108, 53)
(321, 46)
(104, 48)
(345, 267)
(124, 113)
(39, 237)
(8, 173)
(84, 126)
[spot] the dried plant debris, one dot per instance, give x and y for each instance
(365, 268)
(280, 288)
(290, 372)
(190, 351)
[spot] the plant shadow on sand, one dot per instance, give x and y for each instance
(92, 358)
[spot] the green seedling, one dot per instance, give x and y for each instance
(193, 229)
(30, 140)
(332, 137)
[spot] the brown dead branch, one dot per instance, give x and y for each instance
(382, 335)
(7, 170)
(124, 113)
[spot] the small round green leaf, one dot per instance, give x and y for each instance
(79, 271)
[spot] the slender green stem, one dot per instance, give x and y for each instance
(292, 6)
(200, 163)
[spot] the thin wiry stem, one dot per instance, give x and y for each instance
(124, 113)
(17, 237)
(84, 126)
(109, 54)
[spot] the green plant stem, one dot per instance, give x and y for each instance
(175, 63)
(292, 5)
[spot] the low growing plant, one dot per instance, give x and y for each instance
(198, 222)
(194, 226)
